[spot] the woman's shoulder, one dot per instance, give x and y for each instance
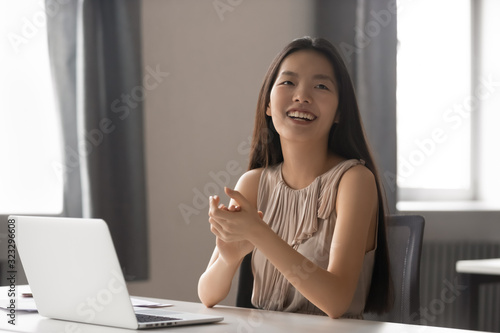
(252, 176)
(358, 179)
(359, 172)
(248, 184)
(342, 167)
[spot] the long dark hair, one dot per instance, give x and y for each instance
(347, 139)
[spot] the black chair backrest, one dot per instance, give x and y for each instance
(245, 283)
(404, 237)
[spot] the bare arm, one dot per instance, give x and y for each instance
(332, 289)
(215, 282)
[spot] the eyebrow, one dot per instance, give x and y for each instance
(316, 76)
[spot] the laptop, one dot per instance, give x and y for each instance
(74, 274)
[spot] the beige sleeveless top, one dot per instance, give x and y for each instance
(305, 219)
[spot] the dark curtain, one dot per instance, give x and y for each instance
(365, 32)
(95, 54)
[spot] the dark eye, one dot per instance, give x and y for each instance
(287, 83)
(322, 86)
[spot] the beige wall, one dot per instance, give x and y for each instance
(200, 117)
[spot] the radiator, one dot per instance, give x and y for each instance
(437, 272)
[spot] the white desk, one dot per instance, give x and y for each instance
(473, 273)
(235, 320)
(482, 266)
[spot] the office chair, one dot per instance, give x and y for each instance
(404, 234)
(245, 284)
(404, 237)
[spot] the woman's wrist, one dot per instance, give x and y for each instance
(231, 262)
(257, 231)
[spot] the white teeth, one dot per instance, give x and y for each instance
(302, 115)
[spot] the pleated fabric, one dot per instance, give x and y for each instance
(305, 219)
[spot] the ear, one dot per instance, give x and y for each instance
(268, 111)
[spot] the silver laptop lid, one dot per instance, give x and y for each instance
(73, 271)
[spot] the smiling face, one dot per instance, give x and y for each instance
(304, 98)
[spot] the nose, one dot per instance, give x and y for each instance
(301, 95)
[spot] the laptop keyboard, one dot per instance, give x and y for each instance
(142, 318)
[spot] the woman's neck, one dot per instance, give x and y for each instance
(303, 163)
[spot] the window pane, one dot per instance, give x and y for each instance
(30, 140)
(434, 99)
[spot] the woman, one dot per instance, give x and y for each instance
(311, 207)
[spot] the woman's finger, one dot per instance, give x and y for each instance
(212, 205)
(215, 227)
(238, 197)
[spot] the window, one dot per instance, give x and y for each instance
(433, 100)
(448, 87)
(30, 140)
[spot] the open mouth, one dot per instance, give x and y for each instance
(300, 115)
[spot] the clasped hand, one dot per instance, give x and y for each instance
(233, 223)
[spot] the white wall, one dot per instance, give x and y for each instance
(200, 118)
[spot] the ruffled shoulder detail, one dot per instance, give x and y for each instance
(293, 214)
(329, 187)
